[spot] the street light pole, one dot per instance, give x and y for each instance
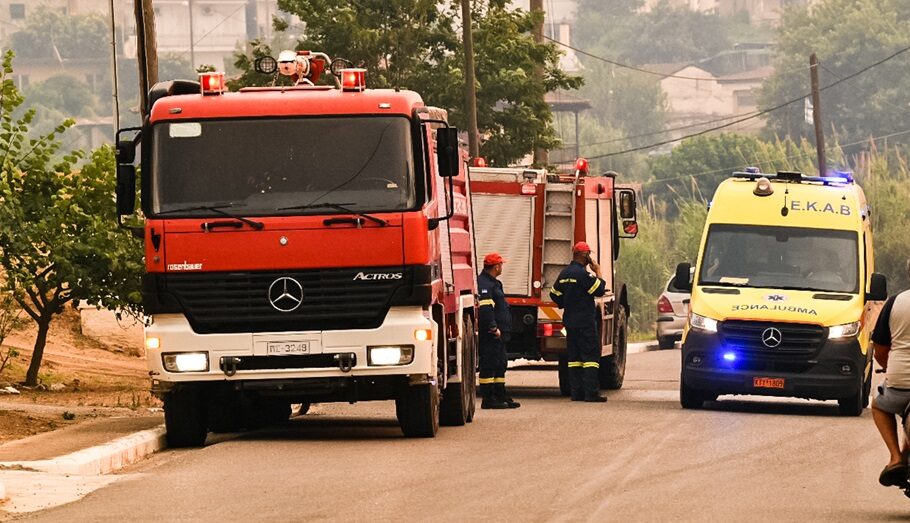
(192, 37)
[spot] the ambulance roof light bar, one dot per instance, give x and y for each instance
(796, 177)
(212, 83)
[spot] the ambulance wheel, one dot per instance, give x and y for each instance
(665, 342)
(418, 410)
(459, 399)
(565, 385)
(613, 367)
(690, 398)
(185, 419)
(854, 405)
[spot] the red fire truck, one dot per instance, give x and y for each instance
(305, 243)
(533, 217)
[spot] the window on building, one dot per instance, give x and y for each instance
(17, 11)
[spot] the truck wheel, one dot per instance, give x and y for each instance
(690, 398)
(565, 384)
(665, 342)
(458, 398)
(418, 410)
(613, 367)
(854, 405)
(185, 419)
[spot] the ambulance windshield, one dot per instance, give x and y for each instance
(781, 258)
(283, 166)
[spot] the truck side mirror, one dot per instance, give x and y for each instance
(628, 223)
(447, 151)
(878, 288)
(683, 280)
(126, 189)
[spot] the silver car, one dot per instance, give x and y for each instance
(672, 309)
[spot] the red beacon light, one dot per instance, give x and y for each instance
(353, 80)
(478, 162)
(581, 165)
(212, 83)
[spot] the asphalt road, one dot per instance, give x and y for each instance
(637, 457)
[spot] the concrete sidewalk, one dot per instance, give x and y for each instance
(61, 466)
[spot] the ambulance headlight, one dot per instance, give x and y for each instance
(847, 330)
(185, 361)
(390, 355)
(702, 323)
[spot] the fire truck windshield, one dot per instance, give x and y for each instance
(283, 166)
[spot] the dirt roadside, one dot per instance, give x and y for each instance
(82, 377)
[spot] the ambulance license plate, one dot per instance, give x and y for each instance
(286, 348)
(768, 383)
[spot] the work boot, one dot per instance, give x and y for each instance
(500, 392)
(493, 403)
(596, 399)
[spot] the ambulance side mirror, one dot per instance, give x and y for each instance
(878, 288)
(683, 280)
(447, 151)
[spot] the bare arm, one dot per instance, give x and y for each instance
(881, 354)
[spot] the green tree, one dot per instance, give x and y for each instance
(415, 44)
(58, 238)
(846, 35)
(50, 34)
(63, 93)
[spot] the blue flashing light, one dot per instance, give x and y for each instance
(730, 356)
(752, 170)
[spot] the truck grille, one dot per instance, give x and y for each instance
(332, 299)
(796, 338)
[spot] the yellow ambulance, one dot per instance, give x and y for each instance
(780, 292)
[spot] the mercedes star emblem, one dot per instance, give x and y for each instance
(285, 294)
(771, 337)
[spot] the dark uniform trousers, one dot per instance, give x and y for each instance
(584, 360)
(493, 364)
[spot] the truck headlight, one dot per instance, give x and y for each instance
(390, 355)
(846, 330)
(702, 323)
(186, 361)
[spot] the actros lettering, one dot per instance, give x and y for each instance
(378, 276)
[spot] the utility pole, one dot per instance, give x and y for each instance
(115, 93)
(192, 37)
(817, 115)
(146, 50)
(541, 155)
(470, 87)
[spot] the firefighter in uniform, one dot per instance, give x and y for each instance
(494, 326)
(574, 292)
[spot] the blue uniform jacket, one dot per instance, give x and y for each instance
(494, 310)
(574, 292)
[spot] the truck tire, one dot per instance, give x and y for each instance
(459, 399)
(418, 410)
(853, 405)
(565, 384)
(690, 398)
(613, 367)
(185, 419)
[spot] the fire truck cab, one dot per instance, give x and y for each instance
(533, 218)
(303, 244)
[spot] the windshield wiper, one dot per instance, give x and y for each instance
(337, 206)
(218, 210)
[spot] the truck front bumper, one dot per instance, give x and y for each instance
(330, 356)
(834, 371)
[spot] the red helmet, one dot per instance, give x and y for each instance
(493, 258)
(581, 247)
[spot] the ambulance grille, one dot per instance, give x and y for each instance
(796, 338)
(332, 300)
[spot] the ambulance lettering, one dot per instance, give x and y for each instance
(781, 308)
(810, 206)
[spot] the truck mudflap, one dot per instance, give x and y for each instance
(402, 346)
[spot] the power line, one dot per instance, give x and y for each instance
(640, 69)
(792, 156)
(886, 102)
(216, 26)
(758, 114)
(671, 129)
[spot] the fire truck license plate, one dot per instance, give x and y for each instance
(768, 383)
(283, 348)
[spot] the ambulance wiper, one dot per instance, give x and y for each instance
(218, 210)
(338, 207)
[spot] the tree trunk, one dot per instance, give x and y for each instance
(31, 377)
